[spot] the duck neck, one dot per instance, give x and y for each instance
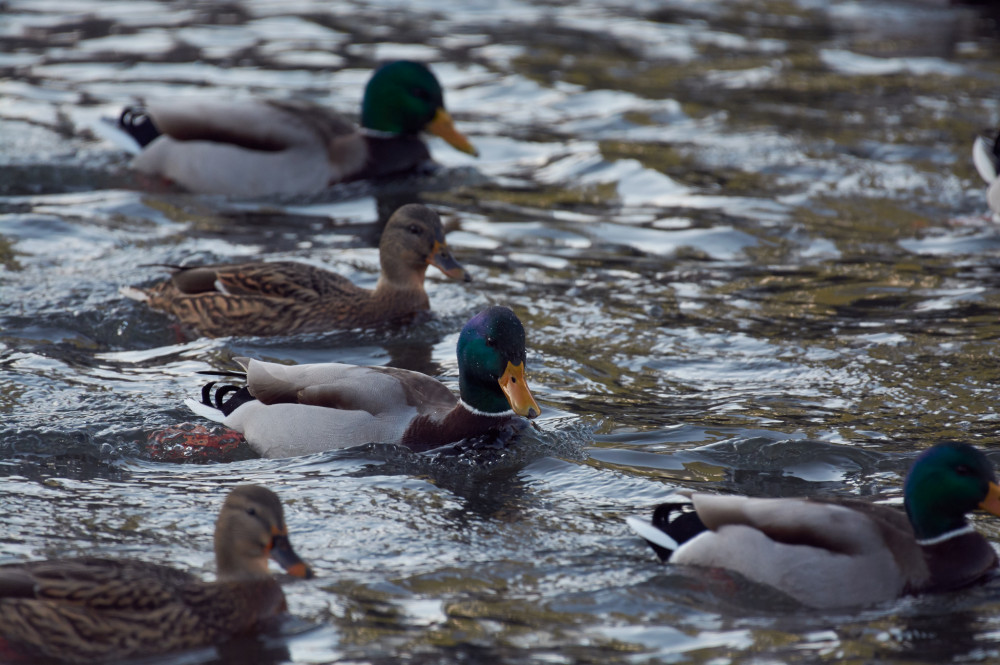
(230, 566)
(483, 399)
(932, 522)
(401, 278)
(408, 294)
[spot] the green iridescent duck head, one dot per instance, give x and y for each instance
(947, 482)
(491, 364)
(404, 97)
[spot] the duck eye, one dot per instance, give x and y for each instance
(422, 93)
(964, 470)
(252, 511)
(490, 341)
(414, 229)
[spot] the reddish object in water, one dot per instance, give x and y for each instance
(189, 442)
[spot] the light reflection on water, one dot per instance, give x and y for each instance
(746, 240)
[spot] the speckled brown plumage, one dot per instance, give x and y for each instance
(97, 609)
(286, 297)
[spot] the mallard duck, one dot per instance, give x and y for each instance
(286, 297)
(287, 410)
(258, 148)
(986, 157)
(93, 610)
(830, 553)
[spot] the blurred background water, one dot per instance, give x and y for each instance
(745, 238)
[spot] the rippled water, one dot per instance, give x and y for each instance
(745, 237)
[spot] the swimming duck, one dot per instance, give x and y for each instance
(830, 553)
(287, 410)
(986, 157)
(93, 610)
(285, 297)
(258, 148)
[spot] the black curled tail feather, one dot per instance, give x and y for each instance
(140, 126)
(680, 521)
(238, 397)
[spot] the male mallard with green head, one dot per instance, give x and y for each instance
(255, 148)
(831, 553)
(91, 609)
(285, 297)
(287, 410)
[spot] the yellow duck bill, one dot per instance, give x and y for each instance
(443, 126)
(516, 389)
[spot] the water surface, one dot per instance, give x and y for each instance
(745, 237)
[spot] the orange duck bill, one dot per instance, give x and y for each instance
(514, 386)
(442, 126)
(282, 553)
(991, 503)
(442, 259)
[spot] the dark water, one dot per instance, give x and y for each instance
(745, 237)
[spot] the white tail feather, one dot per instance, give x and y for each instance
(109, 130)
(984, 162)
(133, 293)
(205, 411)
(651, 533)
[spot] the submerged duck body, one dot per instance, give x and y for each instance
(257, 148)
(829, 554)
(300, 409)
(285, 297)
(91, 609)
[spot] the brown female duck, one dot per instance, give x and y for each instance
(94, 610)
(286, 297)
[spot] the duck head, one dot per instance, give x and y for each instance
(491, 364)
(412, 240)
(404, 97)
(250, 530)
(947, 482)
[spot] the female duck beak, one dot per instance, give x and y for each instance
(283, 554)
(514, 386)
(442, 126)
(991, 503)
(442, 259)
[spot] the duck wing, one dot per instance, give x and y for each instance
(91, 581)
(260, 299)
(844, 527)
(286, 280)
(262, 125)
(376, 390)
